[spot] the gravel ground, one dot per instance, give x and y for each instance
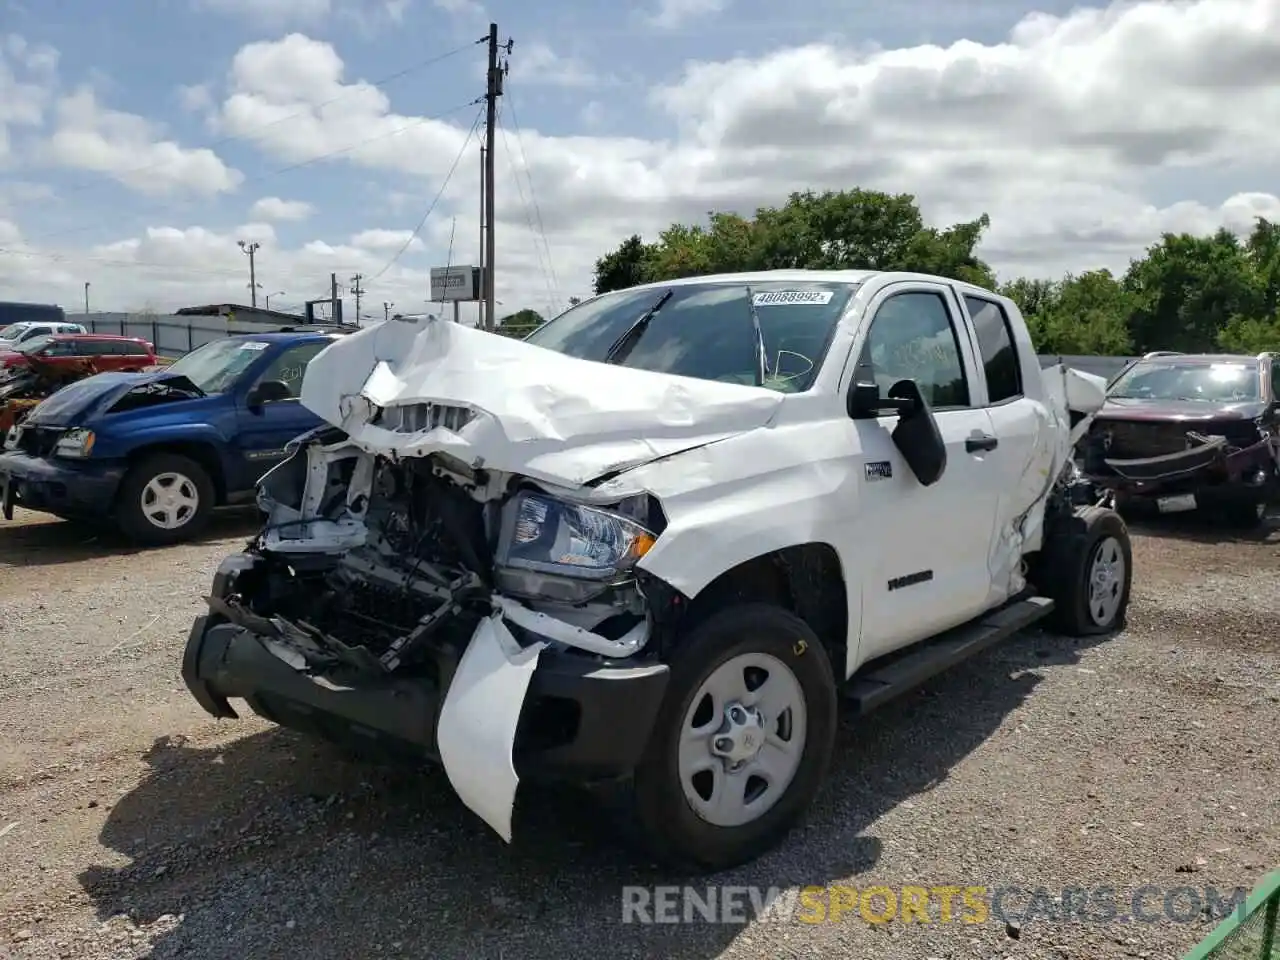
(131, 824)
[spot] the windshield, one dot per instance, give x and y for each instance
(1174, 380)
(13, 331)
(708, 330)
(34, 345)
(217, 365)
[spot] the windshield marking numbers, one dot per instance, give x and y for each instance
(254, 345)
(776, 298)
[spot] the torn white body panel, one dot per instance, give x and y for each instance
(477, 728)
(515, 407)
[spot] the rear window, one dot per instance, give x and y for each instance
(996, 346)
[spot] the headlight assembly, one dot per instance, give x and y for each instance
(76, 444)
(549, 547)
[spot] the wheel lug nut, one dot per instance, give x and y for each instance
(738, 715)
(724, 744)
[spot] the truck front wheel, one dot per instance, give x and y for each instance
(165, 498)
(742, 741)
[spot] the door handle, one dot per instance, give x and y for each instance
(981, 442)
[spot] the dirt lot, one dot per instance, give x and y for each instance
(131, 824)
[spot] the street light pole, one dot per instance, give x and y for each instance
(86, 298)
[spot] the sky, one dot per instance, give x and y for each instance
(140, 140)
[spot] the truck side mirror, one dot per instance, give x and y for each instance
(916, 434)
(268, 391)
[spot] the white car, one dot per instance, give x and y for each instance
(653, 546)
(16, 333)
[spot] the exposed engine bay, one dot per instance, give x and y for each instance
(374, 564)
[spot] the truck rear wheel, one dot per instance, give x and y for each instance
(742, 742)
(1087, 568)
(164, 499)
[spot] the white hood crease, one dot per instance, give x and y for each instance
(536, 412)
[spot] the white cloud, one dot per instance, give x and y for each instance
(537, 63)
(672, 14)
(1083, 136)
(131, 150)
(386, 241)
(27, 79)
(196, 97)
(273, 208)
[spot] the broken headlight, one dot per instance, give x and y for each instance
(549, 546)
(77, 444)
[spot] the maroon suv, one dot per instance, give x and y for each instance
(1183, 431)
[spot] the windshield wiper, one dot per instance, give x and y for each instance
(762, 358)
(632, 334)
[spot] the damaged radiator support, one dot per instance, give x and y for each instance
(391, 558)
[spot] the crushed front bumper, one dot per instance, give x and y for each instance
(1210, 471)
(64, 488)
(581, 720)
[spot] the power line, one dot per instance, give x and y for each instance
(551, 298)
(160, 208)
(439, 193)
(515, 121)
(257, 128)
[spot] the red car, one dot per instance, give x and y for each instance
(69, 350)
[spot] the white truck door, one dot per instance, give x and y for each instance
(1017, 416)
(929, 544)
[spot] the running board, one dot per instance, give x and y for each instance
(899, 672)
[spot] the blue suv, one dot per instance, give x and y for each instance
(154, 453)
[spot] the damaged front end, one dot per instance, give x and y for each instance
(23, 388)
(1228, 460)
(417, 606)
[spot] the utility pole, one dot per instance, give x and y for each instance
(386, 310)
(497, 71)
(251, 249)
(335, 308)
(86, 298)
(357, 293)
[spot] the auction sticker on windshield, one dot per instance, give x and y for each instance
(254, 345)
(775, 298)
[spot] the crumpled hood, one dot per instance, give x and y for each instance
(79, 403)
(529, 410)
(1180, 411)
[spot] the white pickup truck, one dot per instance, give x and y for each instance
(653, 546)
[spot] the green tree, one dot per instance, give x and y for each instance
(1187, 288)
(1087, 315)
(624, 267)
(836, 230)
(519, 324)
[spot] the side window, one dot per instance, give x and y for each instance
(912, 338)
(65, 348)
(1275, 379)
(98, 348)
(997, 349)
(37, 332)
(291, 364)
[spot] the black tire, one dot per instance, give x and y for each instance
(134, 522)
(663, 819)
(1066, 564)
